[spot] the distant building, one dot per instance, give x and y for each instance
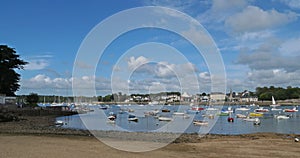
(204, 99)
(217, 96)
(186, 97)
(249, 99)
(7, 100)
(2, 99)
(172, 98)
(246, 97)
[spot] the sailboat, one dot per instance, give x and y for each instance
(274, 103)
(57, 104)
(291, 110)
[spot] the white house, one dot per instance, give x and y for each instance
(217, 96)
(186, 97)
(2, 99)
(7, 100)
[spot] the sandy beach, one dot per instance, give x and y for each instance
(35, 146)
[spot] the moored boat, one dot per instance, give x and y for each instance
(261, 109)
(59, 122)
(165, 110)
(103, 107)
(211, 109)
(178, 113)
(165, 118)
(274, 103)
(151, 113)
(240, 116)
(112, 116)
(242, 109)
(291, 110)
(275, 109)
(230, 119)
(256, 121)
(249, 119)
(132, 118)
(223, 113)
(196, 108)
(281, 117)
(255, 114)
(130, 110)
(200, 123)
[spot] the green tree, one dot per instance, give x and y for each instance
(278, 92)
(100, 98)
(32, 99)
(9, 78)
(108, 98)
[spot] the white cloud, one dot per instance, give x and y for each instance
(164, 69)
(292, 3)
(228, 6)
(36, 64)
(259, 35)
(41, 79)
(181, 5)
(253, 19)
(219, 11)
(204, 76)
(43, 84)
(291, 47)
(267, 57)
(169, 75)
(134, 63)
(278, 77)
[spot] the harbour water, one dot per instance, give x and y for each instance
(96, 119)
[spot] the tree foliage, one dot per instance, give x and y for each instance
(32, 99)
(9, 78)
(108, 98)
(266, 93)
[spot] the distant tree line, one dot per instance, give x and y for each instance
(107, 98)
(279, 93)
(45, 98)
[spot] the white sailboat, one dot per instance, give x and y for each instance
(274, 103)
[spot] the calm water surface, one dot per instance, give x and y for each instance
(97, 120)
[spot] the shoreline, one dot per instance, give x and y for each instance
(265, 145)
(45, 126)
(219, 103)
(36, 136)
(184, 138)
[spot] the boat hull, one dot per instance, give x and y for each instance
(164, 119)
(256, 114)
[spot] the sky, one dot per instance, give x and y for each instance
(258, 43)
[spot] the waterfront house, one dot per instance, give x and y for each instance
(217, 96)
(7, 99)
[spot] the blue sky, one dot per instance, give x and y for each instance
(258, 42)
